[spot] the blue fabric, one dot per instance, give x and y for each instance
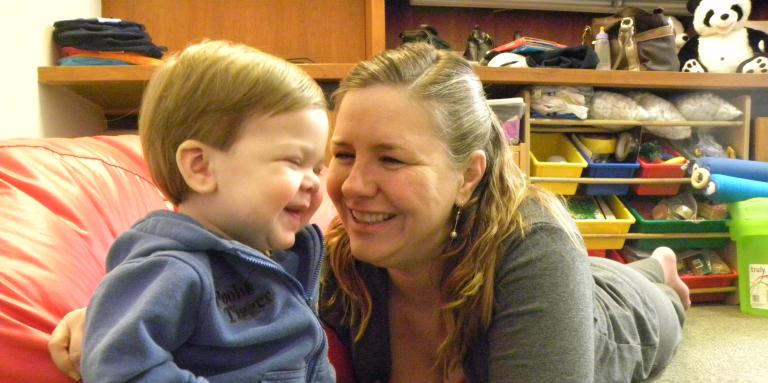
(89, 61)
(181, 304)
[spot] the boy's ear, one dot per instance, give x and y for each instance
(471, 176)
(194, 161)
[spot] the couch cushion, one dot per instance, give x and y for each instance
(62, 203)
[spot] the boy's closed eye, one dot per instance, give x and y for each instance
(297, 161)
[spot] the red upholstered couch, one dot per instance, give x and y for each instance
(62, 203)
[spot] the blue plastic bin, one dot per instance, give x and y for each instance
(605, 170)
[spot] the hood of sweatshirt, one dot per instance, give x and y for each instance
(166, 230)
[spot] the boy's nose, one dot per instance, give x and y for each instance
(311, 181)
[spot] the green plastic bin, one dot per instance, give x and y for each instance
(749, 229)
(640, 207)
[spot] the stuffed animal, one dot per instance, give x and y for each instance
(723, 44)
(680, 36)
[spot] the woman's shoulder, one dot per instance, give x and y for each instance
(536, 213)
(545, 225)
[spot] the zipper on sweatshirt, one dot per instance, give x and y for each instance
(317, 353)
(307, 297)
(314, 282)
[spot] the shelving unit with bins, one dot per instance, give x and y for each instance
(729, 133)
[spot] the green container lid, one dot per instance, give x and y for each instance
(748, 218)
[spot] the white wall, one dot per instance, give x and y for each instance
(26, 108)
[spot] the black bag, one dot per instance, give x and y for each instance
(425, 33)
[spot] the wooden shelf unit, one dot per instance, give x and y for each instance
(118, 89)
(123, 77)
(732, 133)
(622, 79)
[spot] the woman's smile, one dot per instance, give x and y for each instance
(370, 218)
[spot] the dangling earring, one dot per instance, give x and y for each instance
(454, 234)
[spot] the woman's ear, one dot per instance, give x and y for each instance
(471, 176)
(193, 159)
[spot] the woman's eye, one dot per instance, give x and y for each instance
(392, 161)
(343, 156)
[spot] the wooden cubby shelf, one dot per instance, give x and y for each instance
(622, 79)
(119, 88)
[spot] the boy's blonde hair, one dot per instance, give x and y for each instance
(205, 93)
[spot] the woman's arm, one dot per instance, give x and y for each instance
(66, 343)
(542, 329)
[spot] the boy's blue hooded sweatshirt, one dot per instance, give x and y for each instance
(181, 304)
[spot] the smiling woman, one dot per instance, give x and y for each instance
(447, 266)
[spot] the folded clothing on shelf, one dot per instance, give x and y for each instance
(110, 35)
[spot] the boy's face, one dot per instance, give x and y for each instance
(268, 182)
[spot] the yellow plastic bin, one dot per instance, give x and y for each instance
(547, 146)
(620, 225)
(749, 229)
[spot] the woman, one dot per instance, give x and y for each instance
(446, 265)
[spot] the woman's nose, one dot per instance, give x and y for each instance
(358, 182)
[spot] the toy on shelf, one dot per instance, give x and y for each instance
(730, 180)
(599, 150)
(724, 44)
(658, 159)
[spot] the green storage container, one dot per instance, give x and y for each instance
(640, 207)
(749, 229)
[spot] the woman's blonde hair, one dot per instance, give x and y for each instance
(488, 220)
(205, 93)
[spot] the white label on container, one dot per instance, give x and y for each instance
(758, 286)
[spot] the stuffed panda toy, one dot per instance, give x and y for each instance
(680, 36)
(723, 44)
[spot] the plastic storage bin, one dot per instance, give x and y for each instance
(620, 225)
(604, 170)
(615, 255)
(600, 253)
(694, 281)
(709, 281)
(509, 111)
(660, 170)
(547, 145)
(640, 208)
(749, 228)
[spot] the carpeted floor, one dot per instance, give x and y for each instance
(722, 345)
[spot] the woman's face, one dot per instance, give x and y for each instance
(391, 179)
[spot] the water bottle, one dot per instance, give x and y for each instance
(603, 50)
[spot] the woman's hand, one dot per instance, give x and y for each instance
(66, 344)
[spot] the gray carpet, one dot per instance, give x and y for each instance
(720, 344)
